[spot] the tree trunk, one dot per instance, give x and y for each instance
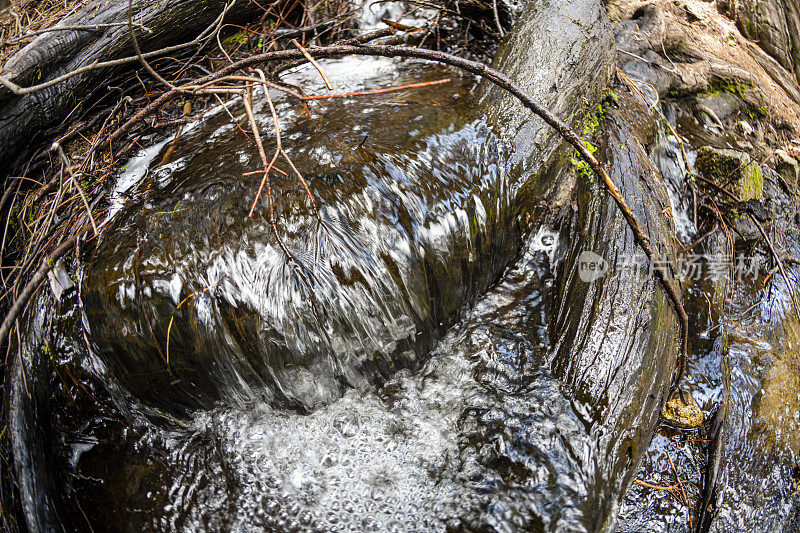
(774, 25)
(25, 119)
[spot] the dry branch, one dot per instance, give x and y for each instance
(378, 91)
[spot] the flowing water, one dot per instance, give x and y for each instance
(408, 357)
(743, 372)
(387, 363)
(333, 392)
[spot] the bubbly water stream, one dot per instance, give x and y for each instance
(404, 359)
(386, 417)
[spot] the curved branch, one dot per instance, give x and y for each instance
(135, 43)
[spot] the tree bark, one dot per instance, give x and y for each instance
(774, 25)
(25, 118)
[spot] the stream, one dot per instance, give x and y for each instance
(419, 348)
(423, 400)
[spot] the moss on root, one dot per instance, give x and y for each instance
(756, 108)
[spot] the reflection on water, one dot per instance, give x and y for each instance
(414, 222)
(390, 368)
(744, 351)
(337, 395)
(392, 362)
(480, 436)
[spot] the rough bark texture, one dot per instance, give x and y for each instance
(688, 48)
(23, 119)
(774, 25)
(624, 374)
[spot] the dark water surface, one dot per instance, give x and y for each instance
(419, 355)
(334, 392)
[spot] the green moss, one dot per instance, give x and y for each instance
(582, 167)
(238, 38)
(729, 168)
(752, 183)
(733, 87)
(46, 351)
(757, 112)
(741, 90)
(590, 126)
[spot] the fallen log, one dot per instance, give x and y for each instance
(47, 79)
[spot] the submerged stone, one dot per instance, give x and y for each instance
(686, 415)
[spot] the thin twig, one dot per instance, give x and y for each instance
(68, 167)
(267, 166)
(135, 43)
(314, 63)
(377, 91)
(656, 487)
(285, 155)
(497, 19)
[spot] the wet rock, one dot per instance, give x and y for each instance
(788, 168)
(617, 349)
(407, 236)
(722, 105)
(745, 128)
(733, 170)
(778, 405)
(682, 411)
(60, 281)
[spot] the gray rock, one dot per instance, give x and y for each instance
(733, 170)
(60, 281)
(788, 168)
(745, 128)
